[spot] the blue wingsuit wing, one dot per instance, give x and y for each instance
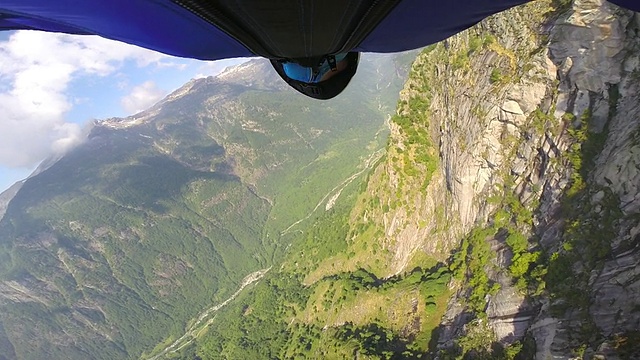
(206, 29)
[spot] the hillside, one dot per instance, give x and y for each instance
(114, 248)
(502, 222)
(494, 216)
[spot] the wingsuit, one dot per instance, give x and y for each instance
(302, 31)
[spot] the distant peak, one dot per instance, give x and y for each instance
(233, 71)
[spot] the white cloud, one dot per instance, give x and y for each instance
(213, 68)
(142, 97)
(35, 71)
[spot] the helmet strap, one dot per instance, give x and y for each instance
(332, 62)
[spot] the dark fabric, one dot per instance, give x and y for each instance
(412, 24)
(292, 28)
(155, 24)
(167, 27)
(628, 4)
(416, 23)
(323, 90)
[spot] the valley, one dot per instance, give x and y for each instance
(475, 200)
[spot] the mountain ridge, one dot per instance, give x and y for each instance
(500, 221)
(115, 246)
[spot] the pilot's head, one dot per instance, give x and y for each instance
(320, 78)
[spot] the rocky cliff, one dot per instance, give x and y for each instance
(514, 158)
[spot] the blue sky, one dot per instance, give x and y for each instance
(52, 85)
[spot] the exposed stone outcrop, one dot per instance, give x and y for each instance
(540, 104)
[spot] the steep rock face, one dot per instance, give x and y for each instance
(524, 126)
(452, 96)
(596, 49)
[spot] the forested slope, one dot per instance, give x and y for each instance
(114, 249)
(502, 222)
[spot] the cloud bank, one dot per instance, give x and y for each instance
(142, 97)
(35, 71)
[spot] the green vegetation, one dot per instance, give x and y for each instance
(418, 155)
(135, 250)
(144, 238)
(540, 122)
(471, 262)
(342, 314)
(140, 229)
(496, 76)
(587, 233)
(309, 154)
(279, 316)
(334, 313)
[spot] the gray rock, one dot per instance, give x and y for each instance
(588, 71)
(597, 197)
(512, 107)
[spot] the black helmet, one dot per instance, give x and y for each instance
(320, 78)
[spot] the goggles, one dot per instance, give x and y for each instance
(311, 74)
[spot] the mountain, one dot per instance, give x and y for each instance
(499, 218)
(118, 246)
(502, 222)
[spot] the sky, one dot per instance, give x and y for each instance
(53, 85)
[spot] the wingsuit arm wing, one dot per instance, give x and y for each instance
(629, 4)
(157, 25)
(165, 26)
